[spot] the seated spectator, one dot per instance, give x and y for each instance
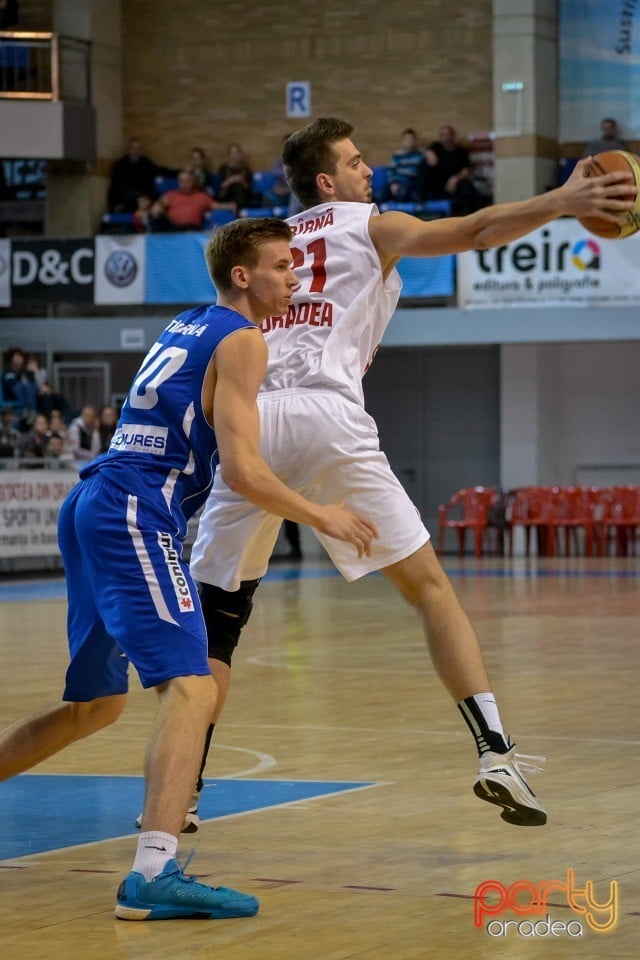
(141, 213)
(18, 387)
(450, 172)
(280, 192)
(83, 436)
(406, 170)
(236, 178)
(107, 423)
(48, 400)
(57, 453)
(133, 175)
(184, 208)
(199, 167)
(57, 425)
(609, 139)
(34, 371)
(11, 440)
(35, 440)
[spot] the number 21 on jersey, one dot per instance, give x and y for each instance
(318, 250)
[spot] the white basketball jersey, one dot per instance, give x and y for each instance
(338, 315)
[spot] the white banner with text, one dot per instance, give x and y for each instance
(29, 504)
(558, 265)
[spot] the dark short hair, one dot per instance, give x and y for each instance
(308, 152)
(238, 244)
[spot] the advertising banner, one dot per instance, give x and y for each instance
(120, 269)
(5, 273)
(159, 268)
(29, 505)
(599, 67)
(52, 270)
(559, 265)
(176, 271)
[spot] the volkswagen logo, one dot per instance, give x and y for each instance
(121, 268)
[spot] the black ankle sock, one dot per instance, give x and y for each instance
(485, 738)
(207, 744)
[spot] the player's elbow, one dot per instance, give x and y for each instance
(238, 478)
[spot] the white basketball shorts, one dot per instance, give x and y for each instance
(325, 447)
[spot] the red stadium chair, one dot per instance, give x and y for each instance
(530, 509)
(571, 509)
(470, 509)
(620, 521)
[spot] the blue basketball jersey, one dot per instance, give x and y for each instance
(163, 444)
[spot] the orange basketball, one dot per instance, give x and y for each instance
(609, 162)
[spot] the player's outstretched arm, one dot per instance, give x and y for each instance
(398, 235)
(240, 363)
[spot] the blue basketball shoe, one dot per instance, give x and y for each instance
(173, 895)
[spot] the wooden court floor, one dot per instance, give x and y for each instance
(332, 683)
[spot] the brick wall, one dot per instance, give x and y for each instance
(204, 72)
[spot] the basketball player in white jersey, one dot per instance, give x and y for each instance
(317, 437)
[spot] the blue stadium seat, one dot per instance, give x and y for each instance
(118, 223)
(118, 219)
(213, 184)
(166, 183)
(263, 180)
(257, 212)
(378, 183)
(430, 208)
(441, 208)
(216, 218)
(414, 208)
(565, 168)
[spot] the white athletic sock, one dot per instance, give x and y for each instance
(489, 710)
(481, 716)
(155, 849)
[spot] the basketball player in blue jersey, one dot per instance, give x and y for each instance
(131, 596)
(345, 254)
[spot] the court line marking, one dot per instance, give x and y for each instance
(387, 730)
(227, 816)
(56, 589)
(275, 660)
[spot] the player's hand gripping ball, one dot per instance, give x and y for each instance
(610, 162)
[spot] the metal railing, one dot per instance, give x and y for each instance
(44, 66)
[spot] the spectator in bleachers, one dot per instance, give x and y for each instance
(236, 178)
(56, 452)
(609, 139)
(35, 440)
(11, 440)
(450, 172)
(18, 387)
(57, 425)
(141, 213)
(184, 208)
(48, 401)
(34, 371)
(132, 176)
(199, 167)
(83, 436)
(279, 193)
(107, 424)
(406, 170)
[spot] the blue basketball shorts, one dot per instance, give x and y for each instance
(131, 596)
